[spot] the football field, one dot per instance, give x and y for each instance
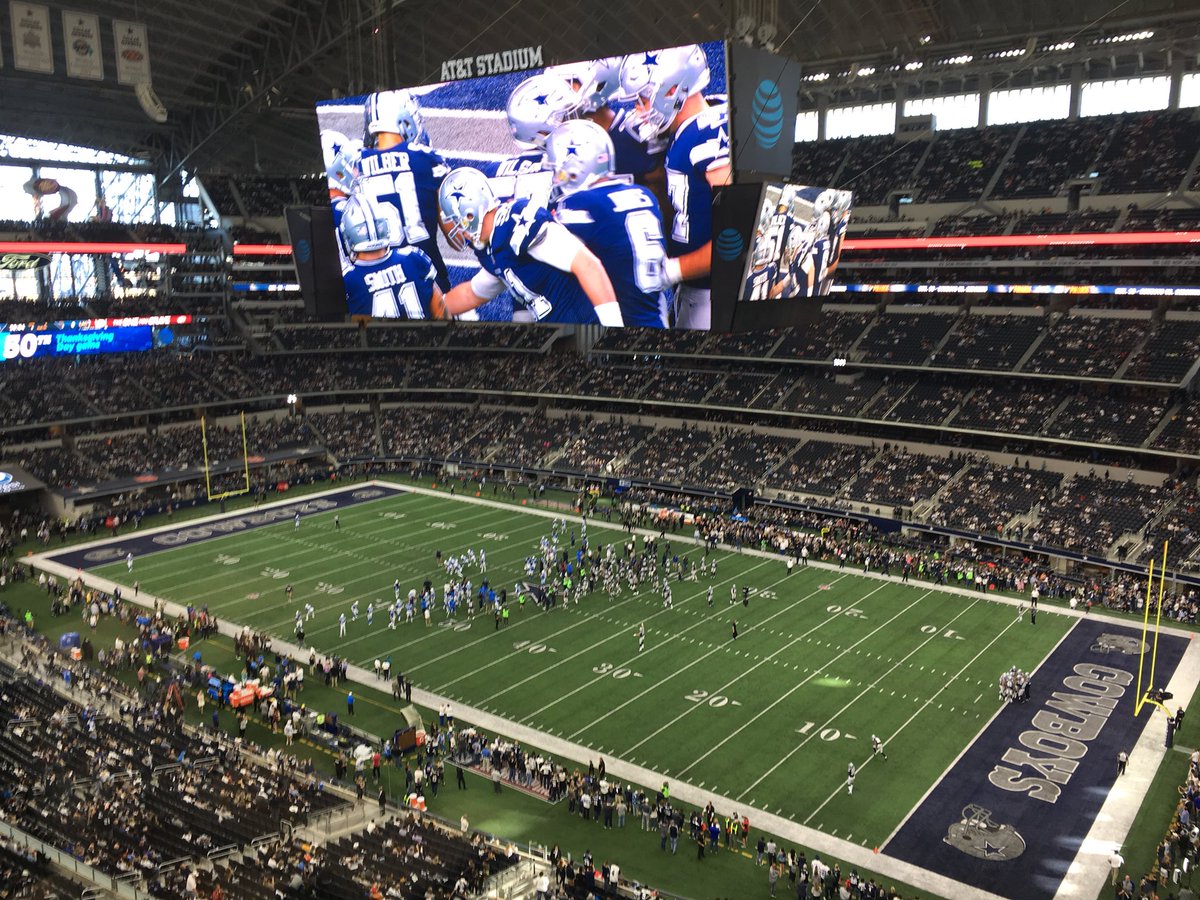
(823, 659)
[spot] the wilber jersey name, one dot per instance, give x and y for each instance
(397, 286)
(700, 144)
(523, 176)
(408, 180)
(551, 294)
(622, 225)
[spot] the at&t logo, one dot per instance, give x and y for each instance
(768, 114)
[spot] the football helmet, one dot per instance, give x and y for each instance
(464, 199)
(537, 106)
(661, 82)
(594, 83)
(392, 112)
(579, 153)
(342, 153)
(368, 225)
(824, 202)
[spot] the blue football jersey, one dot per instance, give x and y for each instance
(397, 286)
(759, 283)
(700, 144)
(523, 176)
(408, 179)
(622, 225)
(631, 156)
(551, 294)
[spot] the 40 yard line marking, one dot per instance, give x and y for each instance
(715, 648)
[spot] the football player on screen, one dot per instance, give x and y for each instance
(385, 280)
(839, 221)
(521, 249)
(668, 88)
(341, 174)
(797, 271)
(535, 107)
(822, 216)
(595, 84)
(618, 221)
(397, 169)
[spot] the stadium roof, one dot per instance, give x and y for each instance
(239, 78)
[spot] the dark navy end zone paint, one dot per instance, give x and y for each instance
(1052, 832)
(189, 533)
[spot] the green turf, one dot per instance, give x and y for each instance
(823, 659)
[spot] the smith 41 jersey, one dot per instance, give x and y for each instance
(408, 179)
(397, 286)
(622, 225)
(700, 145)
(547, 289)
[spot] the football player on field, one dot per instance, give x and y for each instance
(397, 169)
(384, 280)
(521, 249)
(618, 221)
(668, 87)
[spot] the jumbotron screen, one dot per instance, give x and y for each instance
(797, 242)
(578, 193)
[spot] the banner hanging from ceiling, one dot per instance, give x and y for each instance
(81, 35)
(31, 37)
(133, 52)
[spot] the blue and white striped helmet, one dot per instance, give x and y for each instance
(464, 200)
(369, 225)
(661, 81)
(594, 82)
(392, 112)
(578, 153)
(537, 106)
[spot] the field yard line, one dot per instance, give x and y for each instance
(970, 744)
(587, 649)
(632, 659)
(919, 710)
(824, 667)
(306, 550)
(349, 598)
(701, 659)
(162, 558)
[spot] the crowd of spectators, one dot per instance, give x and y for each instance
(1090, 513)
(900, 478)
(1088, 346)
(987, 497)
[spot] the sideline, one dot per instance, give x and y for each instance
(1085, 877)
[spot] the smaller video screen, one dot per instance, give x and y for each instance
(797, 242)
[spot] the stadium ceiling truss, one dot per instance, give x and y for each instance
(240, 79)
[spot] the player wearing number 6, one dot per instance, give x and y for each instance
(618, 221)
(384, 281)
(396, 167)
(520, 248)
